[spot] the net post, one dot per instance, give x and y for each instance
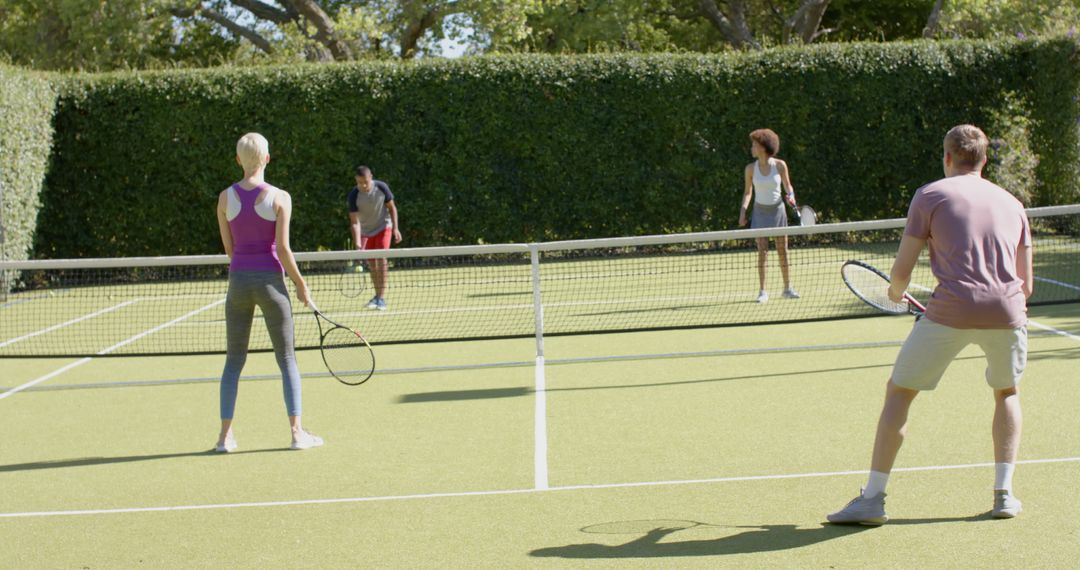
(3, 248)
(538, 306)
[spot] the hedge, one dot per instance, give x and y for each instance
(27, 102)
(531, 148)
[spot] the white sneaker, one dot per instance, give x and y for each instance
(304, 439)
(373, 303)
(790, 293)
(228, 446)
(1006, 506)
(762, 297)
(862, 510)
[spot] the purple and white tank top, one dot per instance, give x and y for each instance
(254, 229)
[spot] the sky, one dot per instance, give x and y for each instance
(452, 49)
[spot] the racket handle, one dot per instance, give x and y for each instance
(914, 303)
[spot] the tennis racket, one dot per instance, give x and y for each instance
(352, 281)
(345, 352)
(871, 286)
(804, 215)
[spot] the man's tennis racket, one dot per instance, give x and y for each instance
(352, 281)
(872, 286)
(346, 352)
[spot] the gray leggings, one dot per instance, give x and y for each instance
(267, 290)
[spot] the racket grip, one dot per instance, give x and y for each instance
(912, 301)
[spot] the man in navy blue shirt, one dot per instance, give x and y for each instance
(373, 220)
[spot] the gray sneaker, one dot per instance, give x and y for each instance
(1006, 506)
(862, 510)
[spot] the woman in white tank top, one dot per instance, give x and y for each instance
(766, 178)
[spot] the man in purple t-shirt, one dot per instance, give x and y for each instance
(980, 253)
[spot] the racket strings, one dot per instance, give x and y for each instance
(347, 356)
(352, 281)
(872, 288)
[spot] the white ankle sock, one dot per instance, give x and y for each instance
(876, 484)
(1003, 473)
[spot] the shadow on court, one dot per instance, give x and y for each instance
(763, 538)
(516, 392)
(973, 518)
(663, 309)
(89, 461)
(455, 395)
(504, 294)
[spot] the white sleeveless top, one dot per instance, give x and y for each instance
(264, 208)
(767, 188)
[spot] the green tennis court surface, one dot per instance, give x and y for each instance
(730, 457)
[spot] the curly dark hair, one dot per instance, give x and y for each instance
(768, 140)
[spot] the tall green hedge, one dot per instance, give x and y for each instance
(539, 147)
(27, 102)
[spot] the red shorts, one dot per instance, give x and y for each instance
(380, 240)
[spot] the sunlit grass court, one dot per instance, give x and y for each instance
(614, 464)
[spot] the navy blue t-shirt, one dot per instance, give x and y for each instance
(371, 207)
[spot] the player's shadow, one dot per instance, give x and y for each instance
(89, 461)
(973, 518)
(664, 543)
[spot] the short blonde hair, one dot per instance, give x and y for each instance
(252, 150)
(967, 145)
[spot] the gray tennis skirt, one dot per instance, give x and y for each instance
(769, 216)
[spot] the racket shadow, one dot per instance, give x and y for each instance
(762, 538)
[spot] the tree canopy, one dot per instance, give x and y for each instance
(119, 34)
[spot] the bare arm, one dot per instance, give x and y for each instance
(1024, 268)
(354, 228)
(748, 193)
(223, 224)
(785, 181)
(283, 209)
(394, 219)
(906, 257)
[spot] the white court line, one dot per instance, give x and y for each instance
(387, 498)
(1058, 283)
(1031, 322)
(69, 323)
(82, 361)
(159, 327)
(1053, 330)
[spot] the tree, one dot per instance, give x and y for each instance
(858, 20)
(348, 29)
(657, 25)
(1008, 18)
(60, 35)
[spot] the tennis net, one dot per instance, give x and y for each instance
(176, 305)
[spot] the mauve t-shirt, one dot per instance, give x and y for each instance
(973, 228)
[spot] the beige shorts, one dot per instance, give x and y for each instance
(931, 347)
